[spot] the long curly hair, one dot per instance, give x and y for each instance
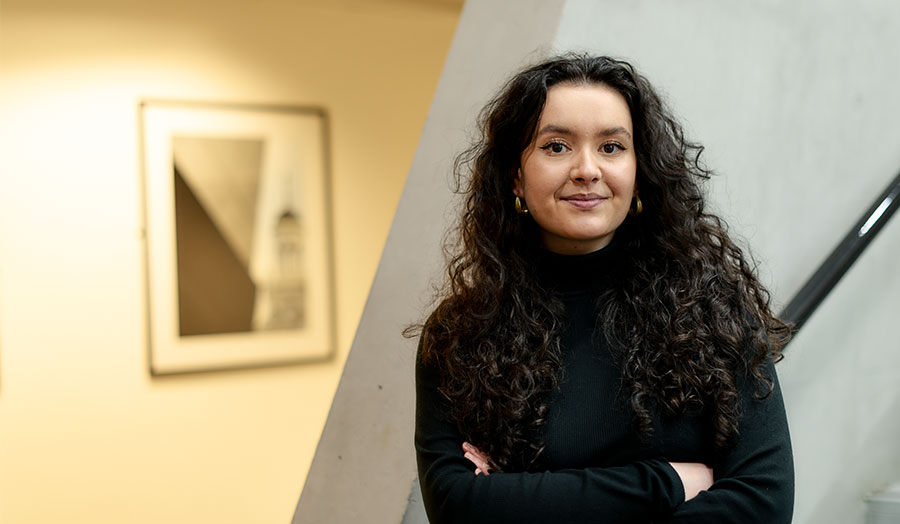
(686, 322)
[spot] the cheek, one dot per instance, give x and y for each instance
(540, 191)
(628, 189)
(541, 180)
(624, 181)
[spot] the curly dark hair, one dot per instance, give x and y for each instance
(686, 322)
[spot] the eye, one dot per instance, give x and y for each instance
(611, 147)
(555, 148)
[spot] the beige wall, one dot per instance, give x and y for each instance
(86, 435)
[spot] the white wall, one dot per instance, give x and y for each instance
(797, 103)
(86, 435)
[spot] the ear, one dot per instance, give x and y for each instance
(517, 184)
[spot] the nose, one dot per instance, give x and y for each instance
(585, 168)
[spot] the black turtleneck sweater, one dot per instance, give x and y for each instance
(597, 468)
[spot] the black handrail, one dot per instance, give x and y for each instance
(805, 302)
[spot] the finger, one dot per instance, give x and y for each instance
(474, 460)
(472, 449)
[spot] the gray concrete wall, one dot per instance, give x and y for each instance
(364, 466)
(797, 103)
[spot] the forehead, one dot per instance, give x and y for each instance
(585, 105)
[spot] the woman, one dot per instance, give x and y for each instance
(602, 351)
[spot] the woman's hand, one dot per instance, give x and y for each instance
(478, 458)
(695, 477)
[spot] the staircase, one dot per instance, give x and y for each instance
(883, 507)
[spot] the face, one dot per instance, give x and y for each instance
(577, 176)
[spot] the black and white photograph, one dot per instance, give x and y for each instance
(238, 236)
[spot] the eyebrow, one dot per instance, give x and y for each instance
(610, 131)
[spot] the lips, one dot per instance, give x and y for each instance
(584, 200)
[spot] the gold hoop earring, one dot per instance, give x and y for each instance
(637, 207)
(520, 207)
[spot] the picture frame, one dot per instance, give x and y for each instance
(237, 235)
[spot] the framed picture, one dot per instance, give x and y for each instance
(238, 241)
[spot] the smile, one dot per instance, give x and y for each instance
(584, 201)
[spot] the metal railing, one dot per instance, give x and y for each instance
(805, 302)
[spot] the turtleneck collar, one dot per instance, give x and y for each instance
(579, 274)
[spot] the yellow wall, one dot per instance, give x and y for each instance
(86, 435)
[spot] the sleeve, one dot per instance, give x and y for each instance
(452, 493)
(755, 479)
